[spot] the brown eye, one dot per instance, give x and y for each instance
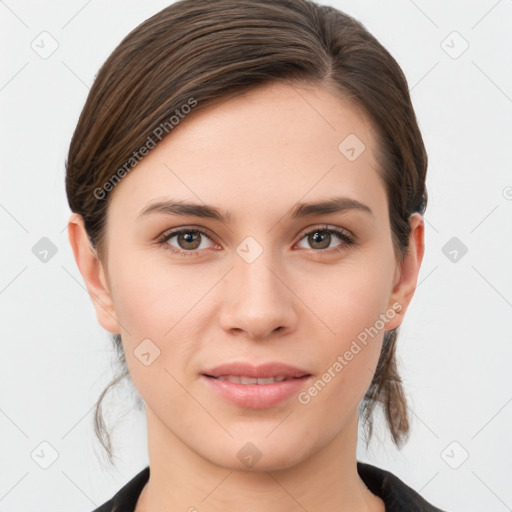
(319, 239)
(186, 242)
(189, 240)
(324, 238)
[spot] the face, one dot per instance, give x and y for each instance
(264, 279)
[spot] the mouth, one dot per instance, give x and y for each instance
(237, 379)
(255, 387)
(242, 370)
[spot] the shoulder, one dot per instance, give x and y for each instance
(396, 495)
(126, 498)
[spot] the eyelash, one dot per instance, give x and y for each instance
(347, 239)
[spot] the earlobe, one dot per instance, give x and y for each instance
(93, 274)
(406, 277)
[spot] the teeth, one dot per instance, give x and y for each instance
(251, 380)
(268, 380)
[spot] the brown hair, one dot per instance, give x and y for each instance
(210, 51)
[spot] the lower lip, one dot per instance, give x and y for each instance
(256, 396)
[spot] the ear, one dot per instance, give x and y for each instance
(406, 276)
(93, 274)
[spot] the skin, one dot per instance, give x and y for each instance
(255, 156)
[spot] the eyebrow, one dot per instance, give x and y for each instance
(300, 210)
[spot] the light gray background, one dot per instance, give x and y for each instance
(454, 346)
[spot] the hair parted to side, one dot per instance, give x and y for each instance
(212, 50)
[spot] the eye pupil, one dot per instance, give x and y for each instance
(190, 239)
(321, 237)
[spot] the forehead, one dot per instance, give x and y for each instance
(270, 147)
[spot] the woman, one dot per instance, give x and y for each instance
(247, 181)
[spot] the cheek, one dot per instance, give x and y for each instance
(163, 311)
(349, 299)
(350, 355)
(352, 305)
(153, 297)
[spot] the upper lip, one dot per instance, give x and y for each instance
(241, 369)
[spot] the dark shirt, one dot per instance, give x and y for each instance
(396, 495)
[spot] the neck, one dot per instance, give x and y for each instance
(182, 480)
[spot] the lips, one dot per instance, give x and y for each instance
(256, 387)
(252, 380)
(244, 373)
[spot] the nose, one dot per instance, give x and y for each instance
(258, 300)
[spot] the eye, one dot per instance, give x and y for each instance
(322, 238)
(188, 241)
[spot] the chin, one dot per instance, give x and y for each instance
(259, 454)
